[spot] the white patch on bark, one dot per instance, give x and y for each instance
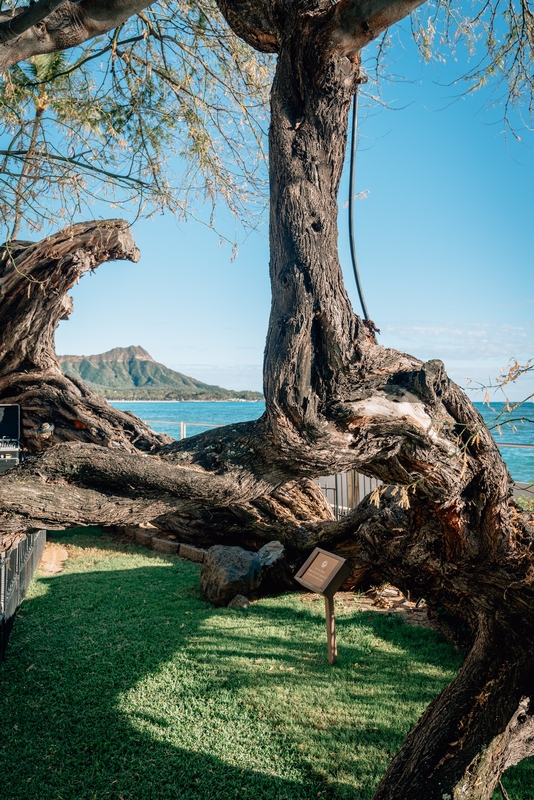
(409, 409)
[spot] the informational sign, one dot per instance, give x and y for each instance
(320, 569)
(325, 573)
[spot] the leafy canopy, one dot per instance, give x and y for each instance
(103, 121)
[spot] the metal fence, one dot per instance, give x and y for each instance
(17, 566)
(346, 490)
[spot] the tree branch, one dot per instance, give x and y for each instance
(253, 21)
(34, 281)
(27, 18)
(353, 23)
(67, 25)
(359, 22)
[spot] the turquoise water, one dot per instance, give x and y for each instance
(516, 427)
(161, 417)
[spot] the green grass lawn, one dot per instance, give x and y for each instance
(122, 682)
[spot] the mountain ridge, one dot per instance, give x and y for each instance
(115, 354)
(130, 373)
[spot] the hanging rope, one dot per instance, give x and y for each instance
(351, 204)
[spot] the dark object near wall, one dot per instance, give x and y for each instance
(17, 566)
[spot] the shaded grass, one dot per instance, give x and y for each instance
(122, 682)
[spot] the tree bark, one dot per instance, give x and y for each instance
(34, 280)
(444, 525)
(36, 29)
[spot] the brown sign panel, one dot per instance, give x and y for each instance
(323, 572)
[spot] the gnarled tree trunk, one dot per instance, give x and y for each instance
(34, 280)
(445, 526)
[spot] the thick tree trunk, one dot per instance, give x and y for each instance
(445, 526)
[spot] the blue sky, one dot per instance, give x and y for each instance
(444, 241)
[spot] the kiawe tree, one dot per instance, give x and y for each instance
(443, 525)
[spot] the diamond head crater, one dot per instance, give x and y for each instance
(130, 373)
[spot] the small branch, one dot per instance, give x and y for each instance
(78, 64)
(504, 793)
(357, 24)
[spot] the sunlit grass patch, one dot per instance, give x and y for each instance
(122, 682)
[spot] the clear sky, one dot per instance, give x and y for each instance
(444, 241)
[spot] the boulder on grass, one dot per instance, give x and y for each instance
(228, 571)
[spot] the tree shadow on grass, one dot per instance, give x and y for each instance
(123, 683)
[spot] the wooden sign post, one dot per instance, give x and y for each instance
(324, 573)
(331, 630)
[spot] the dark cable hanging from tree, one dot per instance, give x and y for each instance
(351, 204)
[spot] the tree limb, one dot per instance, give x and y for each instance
(359, 22)
(254, 22)
(350, 24)
(27, 18)
(68, 25)
(34, 281)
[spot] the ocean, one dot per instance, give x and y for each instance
(164, 417)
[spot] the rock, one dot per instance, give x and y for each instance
(276, 575)
(239, 601)
(46, 428)
(391, 592)
(271, 553)
(164, 545)
(192, 553)
(228, 571)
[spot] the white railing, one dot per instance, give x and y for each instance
(183, 425)
(345, 490)
(507, 444)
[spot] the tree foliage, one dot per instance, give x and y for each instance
(105, 120)
(491, 41)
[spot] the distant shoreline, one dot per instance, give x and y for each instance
(233, 400)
